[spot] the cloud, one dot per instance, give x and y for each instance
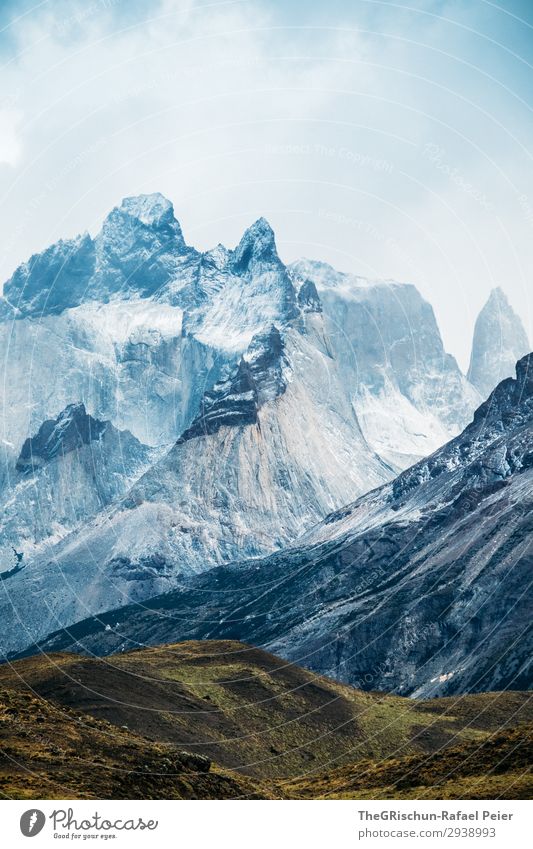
(318, 116)
(10, 146)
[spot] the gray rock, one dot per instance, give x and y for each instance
(422, 587)
(499, 341)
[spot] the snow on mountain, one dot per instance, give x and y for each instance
(268, 454)
(499, 341)
(408, 393)
(256, 291)
(421, 587)
(137, 325)
(139, 249)
(134, 324)
(271, 395)
(71, 468)
(127, 361)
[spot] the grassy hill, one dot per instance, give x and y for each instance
(47, 752)
(499, 765)
(271, 728)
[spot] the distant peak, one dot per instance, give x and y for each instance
(498, 296)
(304, 266)
(141, 225)
(218, 255)
(261, 226)
(151, 210)
(258, 244)
(325, 276)
(259, 231)
(499, 341)
(69, 431)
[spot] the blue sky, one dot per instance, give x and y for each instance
(390, 139)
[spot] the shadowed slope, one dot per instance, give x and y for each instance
(255, 713)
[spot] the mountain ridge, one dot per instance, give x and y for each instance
(499, 340)
(266, 720)
(401, 590)
(265, 397)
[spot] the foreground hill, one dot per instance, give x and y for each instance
(49, 752)
(498, 766)
(245, 710)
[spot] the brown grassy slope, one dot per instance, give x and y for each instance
(253, 712)
(48, 752)
(498, 766)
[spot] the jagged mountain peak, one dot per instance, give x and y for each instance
(497, 295)
(508, 408)
(248, 289)
(257, 246)
(72, 428)
(138, 251)
(152, 210)
(217, 256)
(142, 221)
(499, 341)
(53, 280)
(260, 229)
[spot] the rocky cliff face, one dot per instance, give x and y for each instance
(499, 341)
(408, 393)
(68, 471)
(137, 325)
(256, 397)
(265, 458)
(258, 378)
(421, 587)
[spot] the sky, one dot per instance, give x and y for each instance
(390, 139)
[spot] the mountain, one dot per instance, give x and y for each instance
(257, 398)
(499, 341)
(137, 325)
(266, 457)
(421, 587)
(69, 470)
(139, 249)
(134, 324)
(254, 291)
(100, 322)
(258, 720)
(409, 394)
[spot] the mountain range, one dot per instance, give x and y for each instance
(172, 418)
(421, 587)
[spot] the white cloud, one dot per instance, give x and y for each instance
(236, 110)
(10, 146)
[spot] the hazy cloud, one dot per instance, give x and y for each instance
(389, 141)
